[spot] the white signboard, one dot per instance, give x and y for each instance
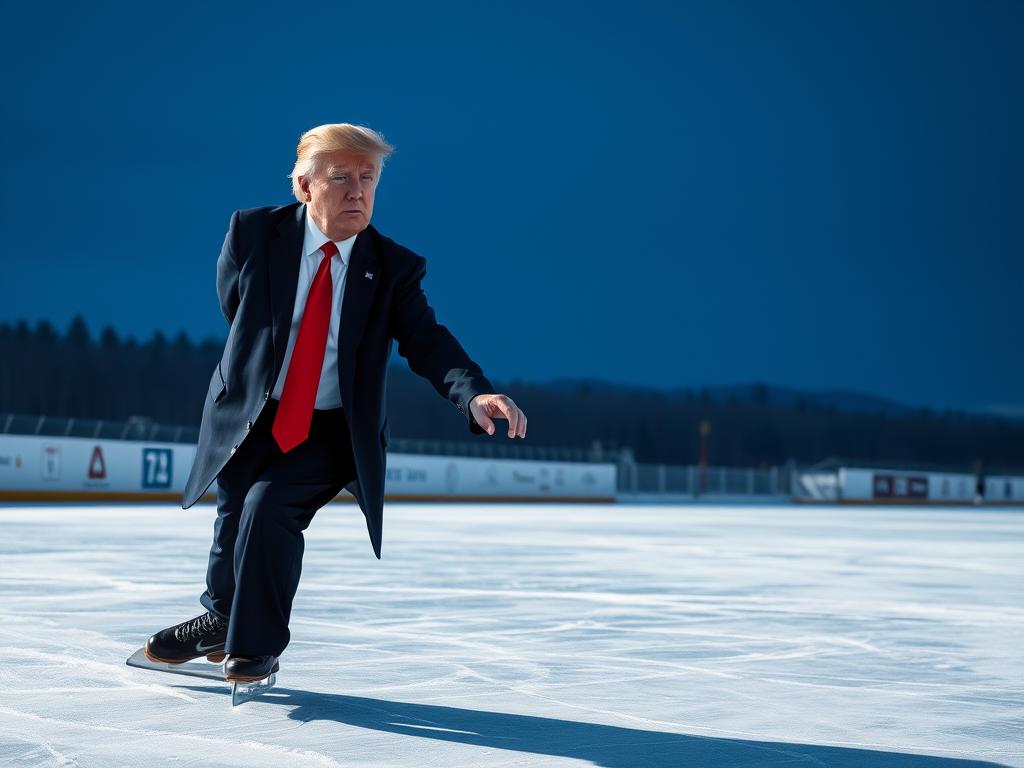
(69, 467)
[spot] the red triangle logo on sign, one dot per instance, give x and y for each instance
(97, 467)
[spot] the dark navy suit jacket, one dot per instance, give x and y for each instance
(257, 276)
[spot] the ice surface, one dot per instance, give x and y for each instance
(533, 635)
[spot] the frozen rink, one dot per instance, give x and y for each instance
(527, 635)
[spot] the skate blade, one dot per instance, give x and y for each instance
(201, 669)
(247, 691)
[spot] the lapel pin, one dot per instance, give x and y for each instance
(368, 275)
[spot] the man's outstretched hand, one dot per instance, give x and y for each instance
(484, 408)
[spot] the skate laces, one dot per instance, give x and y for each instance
(206, 624)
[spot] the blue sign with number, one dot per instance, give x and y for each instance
(157, 467)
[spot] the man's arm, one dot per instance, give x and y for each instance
(227, 273)
(430, 348)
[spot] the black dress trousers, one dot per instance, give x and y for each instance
(265, 500)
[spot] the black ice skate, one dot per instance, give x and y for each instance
(202, 636)
(248, 669)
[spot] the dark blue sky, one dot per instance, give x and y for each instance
(815, 195)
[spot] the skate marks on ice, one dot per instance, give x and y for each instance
(606, 746)
(240, 691)
(615, 635)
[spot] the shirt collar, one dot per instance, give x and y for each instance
(315, 239)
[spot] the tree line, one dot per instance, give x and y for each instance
(165, 379)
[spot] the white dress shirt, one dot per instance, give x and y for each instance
(328, 393)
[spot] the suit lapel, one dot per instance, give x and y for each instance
(355, 307)
(283, 268)
(285, 259)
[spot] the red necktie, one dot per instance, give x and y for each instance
(295, 411)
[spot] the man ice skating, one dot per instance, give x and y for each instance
(296, 408)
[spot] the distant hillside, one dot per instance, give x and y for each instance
(843, 400)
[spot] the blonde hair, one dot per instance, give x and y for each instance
(331, 137)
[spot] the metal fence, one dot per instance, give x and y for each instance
(499, 449)
(145, 429)
(96, 429)
(689, 480)
(693, 480)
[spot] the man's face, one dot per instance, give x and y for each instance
(339, 195)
